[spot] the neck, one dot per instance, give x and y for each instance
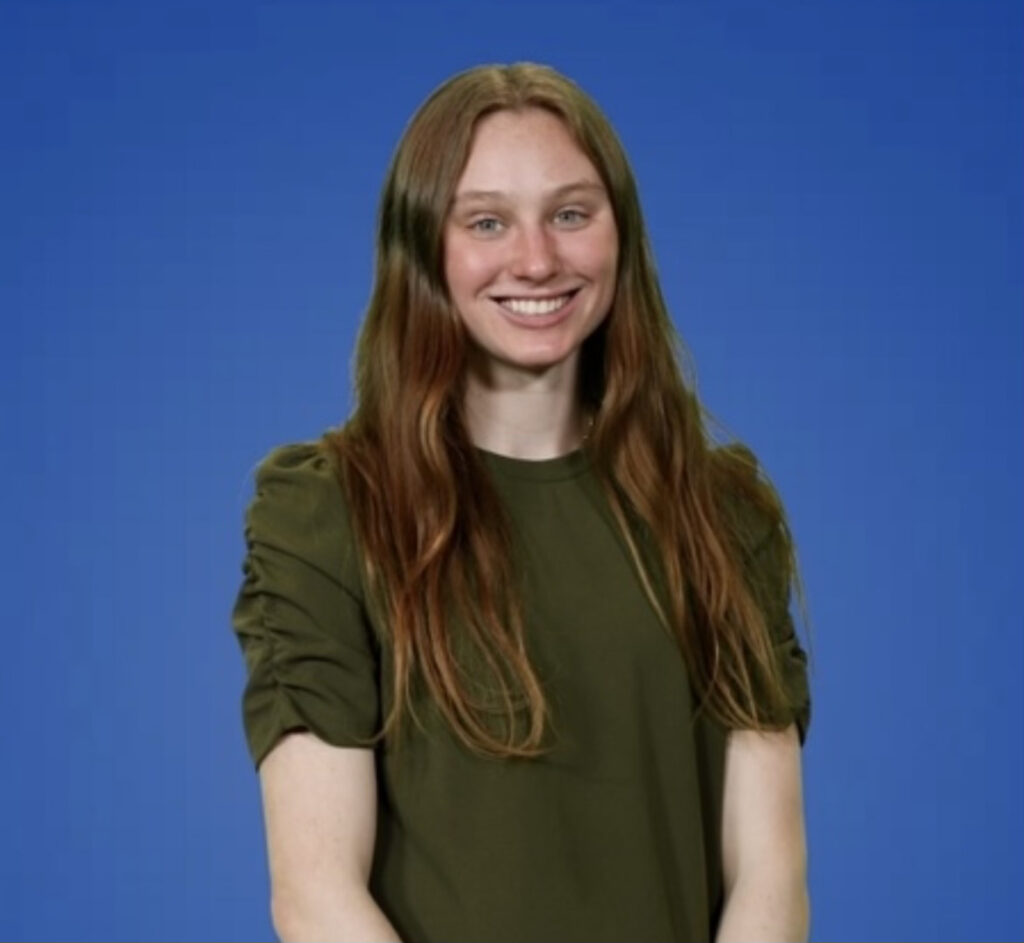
(523, 415)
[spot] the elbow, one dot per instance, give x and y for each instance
(767, 906)
(294, 918)
(800, 916)
(796, 914)
(345, 913)
(284, 919)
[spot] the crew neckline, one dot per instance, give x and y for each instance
(559, 468)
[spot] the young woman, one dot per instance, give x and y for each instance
(521, 664)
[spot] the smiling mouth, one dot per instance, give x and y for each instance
(536, 306)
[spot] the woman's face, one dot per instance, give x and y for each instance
(530, 243)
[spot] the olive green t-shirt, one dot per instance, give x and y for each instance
(614, 835)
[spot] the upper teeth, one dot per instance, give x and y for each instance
(534, 306)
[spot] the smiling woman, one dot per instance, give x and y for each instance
(520, 658)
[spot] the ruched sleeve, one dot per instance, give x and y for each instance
(771, 583)
(763, 548)
(310, 653)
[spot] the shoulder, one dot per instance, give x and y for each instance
(299, 506)
(304, 465)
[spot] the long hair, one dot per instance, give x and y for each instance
(434, 540)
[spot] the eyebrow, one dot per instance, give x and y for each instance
(470, 195)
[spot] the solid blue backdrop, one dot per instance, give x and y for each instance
(834, 196)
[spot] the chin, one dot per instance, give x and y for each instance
(531, 362)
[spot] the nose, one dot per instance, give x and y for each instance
(536, 255)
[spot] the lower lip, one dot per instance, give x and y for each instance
(536, 321)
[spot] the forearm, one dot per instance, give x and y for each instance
(353, 916)
(766, 908)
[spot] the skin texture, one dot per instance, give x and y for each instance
(764, 851)
(530, 237)
(320, 814)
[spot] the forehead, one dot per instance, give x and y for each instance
(522, 152)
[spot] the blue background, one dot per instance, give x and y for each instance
(833, 191)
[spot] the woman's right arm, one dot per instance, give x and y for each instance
(320, 811)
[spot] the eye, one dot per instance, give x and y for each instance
(572, 216)
(486, 225)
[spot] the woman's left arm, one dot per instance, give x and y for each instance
(764, 846)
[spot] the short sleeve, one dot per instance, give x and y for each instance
(771, 582)
(311, 657)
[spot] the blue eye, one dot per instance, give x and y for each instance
(490, 225)
(479, 228)
(578, 215)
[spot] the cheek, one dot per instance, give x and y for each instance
(597, 256)
(598, 259)
(467, 268)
